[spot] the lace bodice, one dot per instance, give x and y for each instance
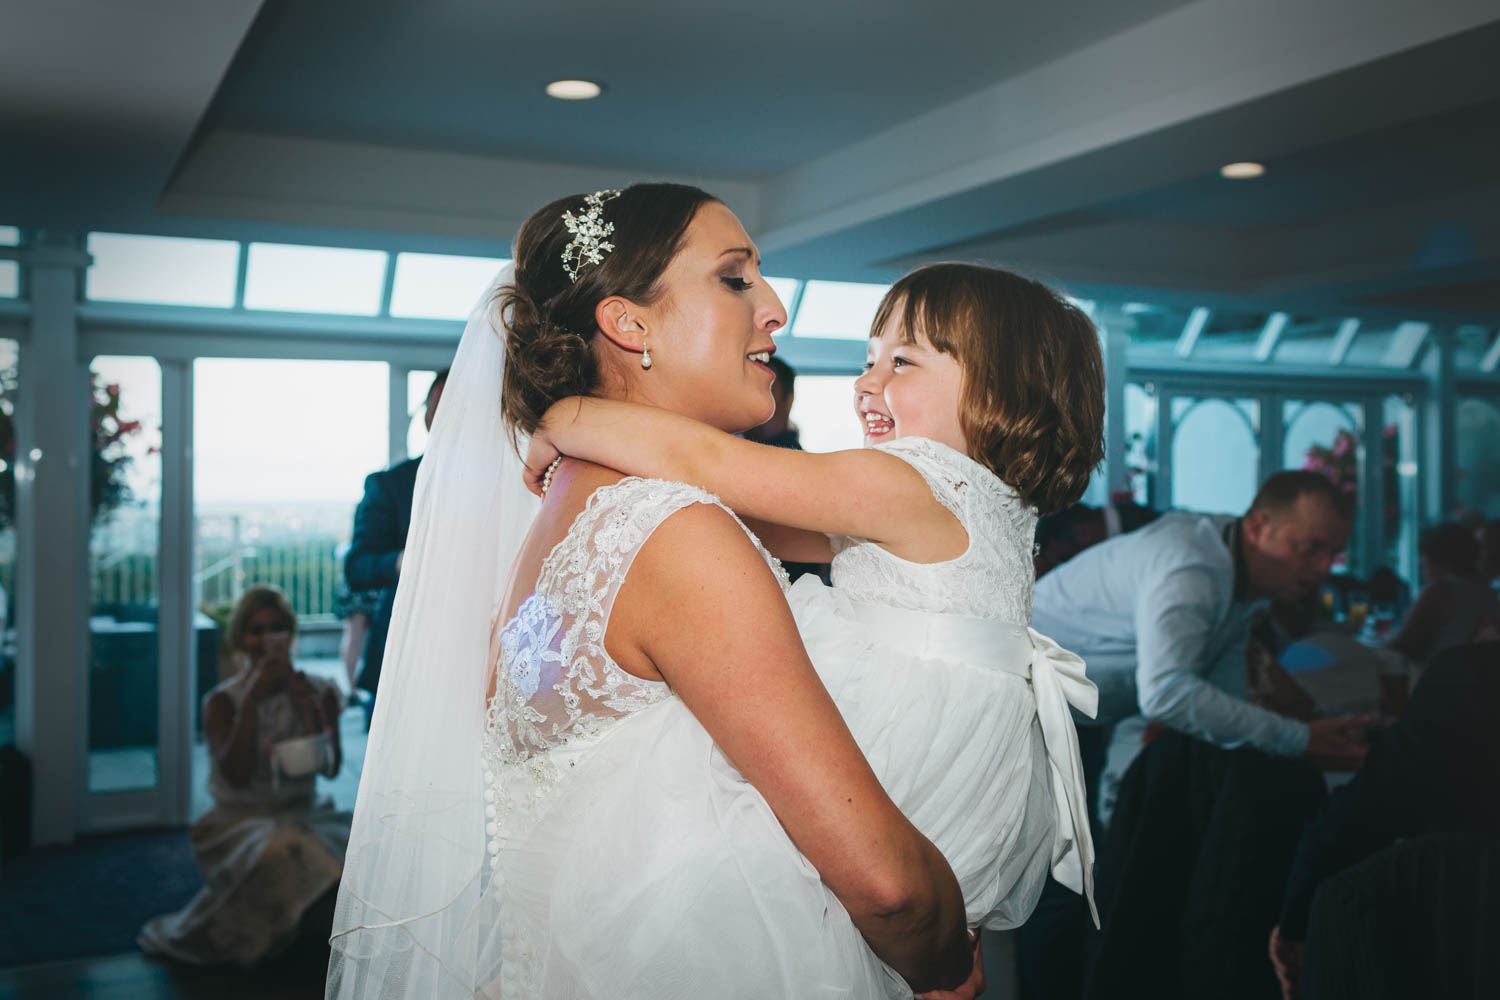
(554, 680)
(993, 578)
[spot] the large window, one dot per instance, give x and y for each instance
(1478, 446)
(438, 286)
(840, 310)
(418, 385)
(1328, 438)
(282, 450)
(125, 509)
(163, 270)
(314, 279)
(10, 271)
(823, 412)
(1215, 454)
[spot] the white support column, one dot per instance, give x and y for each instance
(1272, 435)
(52, 532)
(398, 420)
(1115, 327)
(177, 609)
(1438, 465)
(1161, 483)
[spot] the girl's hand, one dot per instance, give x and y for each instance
(540, 454)
(969, 988)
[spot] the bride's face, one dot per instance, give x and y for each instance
(711, 330)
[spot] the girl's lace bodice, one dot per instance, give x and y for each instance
(993, 578)
(555, 682)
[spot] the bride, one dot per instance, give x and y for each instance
(647, 791)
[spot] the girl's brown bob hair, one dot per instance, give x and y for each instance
(548, 351)
(1032, 406)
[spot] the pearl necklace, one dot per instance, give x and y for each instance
(547, 476)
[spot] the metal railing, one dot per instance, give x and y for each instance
(301, 555)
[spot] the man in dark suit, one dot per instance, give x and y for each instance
(374, 560)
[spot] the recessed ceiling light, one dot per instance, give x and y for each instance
(573, 90)
(1241, 171)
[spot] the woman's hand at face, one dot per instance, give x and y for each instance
(271, 672)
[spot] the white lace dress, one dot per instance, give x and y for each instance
(628, 857)
(961, 708)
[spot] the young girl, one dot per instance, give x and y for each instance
(982, 401)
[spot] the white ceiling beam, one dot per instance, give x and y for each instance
(1270, 334)
(1343, 340)
(1491, 360)
(1192, 330)
(1406, 344)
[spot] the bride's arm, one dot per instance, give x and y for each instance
(701, 608)
(863, 493)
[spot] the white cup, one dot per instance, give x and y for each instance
(300, 757)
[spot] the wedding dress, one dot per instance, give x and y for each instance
(631, 859)
(627, 857)
(580, 835)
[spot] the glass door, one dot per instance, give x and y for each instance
(124, 725)
(282, 451)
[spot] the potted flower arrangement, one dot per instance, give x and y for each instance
(109, 458)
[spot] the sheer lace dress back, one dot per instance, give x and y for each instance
(994, 577)
(554, 680)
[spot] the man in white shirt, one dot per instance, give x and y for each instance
(1162, 615)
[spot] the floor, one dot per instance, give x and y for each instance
(133, 976)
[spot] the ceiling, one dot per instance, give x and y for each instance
(1078, 140)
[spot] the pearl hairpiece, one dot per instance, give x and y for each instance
(589, 231)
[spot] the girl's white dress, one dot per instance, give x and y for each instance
(629, 858)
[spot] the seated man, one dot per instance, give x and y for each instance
(1162, 616)
(1435, 771)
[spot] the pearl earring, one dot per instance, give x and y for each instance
(645, 356)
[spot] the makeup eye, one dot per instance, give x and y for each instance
(737, 284)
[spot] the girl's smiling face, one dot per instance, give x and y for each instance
(909, 390)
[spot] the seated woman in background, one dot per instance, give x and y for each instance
(268, 850)
(1455, 604)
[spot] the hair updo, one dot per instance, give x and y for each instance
(548, 353)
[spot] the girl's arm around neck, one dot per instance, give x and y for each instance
(863, 493)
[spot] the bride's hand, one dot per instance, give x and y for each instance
(540, 453)
(969, 988)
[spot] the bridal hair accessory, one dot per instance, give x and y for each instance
(589, 231)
